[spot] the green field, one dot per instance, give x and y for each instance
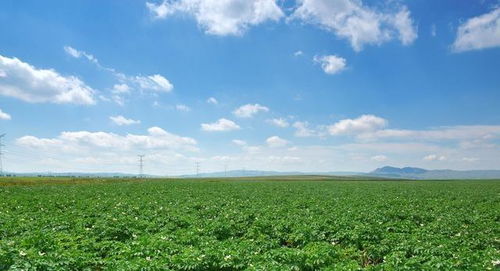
(248, 224)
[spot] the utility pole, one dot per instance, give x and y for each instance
(197, 165)
(1, 153)
(225, 170)
(141, 165)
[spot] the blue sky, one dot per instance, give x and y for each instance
(309, 85)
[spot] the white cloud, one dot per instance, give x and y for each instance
(162, 10)
(331, 64)
(4, 116)
(371, 128)
(216, 17)
(360, 125)
(212, 100)
(85, 155)
(478, 133)
(276, 142)
(154, 82)
(220, 126)
(121, 120)
(302, 129)
(79, 141)
(118, 100)
(278, 122)
(182, 107)
(400, 148)
(77, 54)
(434, 157)
(25, 82)
(120, 89)
(252, 149)
(433, 30)
(350, 19)
(379, 158)
(72, 52)
(298, 53)
(239, 142)
(249, 110)
(404, 25)
(479, 32)
(113, 98)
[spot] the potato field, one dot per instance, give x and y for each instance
(248, 224)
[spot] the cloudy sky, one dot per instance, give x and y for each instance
(304, 85)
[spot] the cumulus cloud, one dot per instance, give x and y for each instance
(479, 32)
(154, 82)
(85, 155)
(221, 125)
(276, 142)
(331, 64)
(121, 120)
(249, 110)
(278, 122)
(434, 157)
(370, 127)
(239, 142)
(360, 125)
(472, 134)
(403, 23)
(162, 10)
(157, 138)
(28, 83)
(212, 100)
(183, 108)
(360, 24)
(302, 129)
(4, 116)
(120, 89)
(215, 17)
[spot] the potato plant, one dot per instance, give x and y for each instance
(249, 225)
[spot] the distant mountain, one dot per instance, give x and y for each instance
(256, 173)
(420, 173)
(398, 171)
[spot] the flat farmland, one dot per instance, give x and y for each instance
(300, 223)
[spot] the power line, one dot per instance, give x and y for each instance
(141, 165)
(1, 153)
(197, 164)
